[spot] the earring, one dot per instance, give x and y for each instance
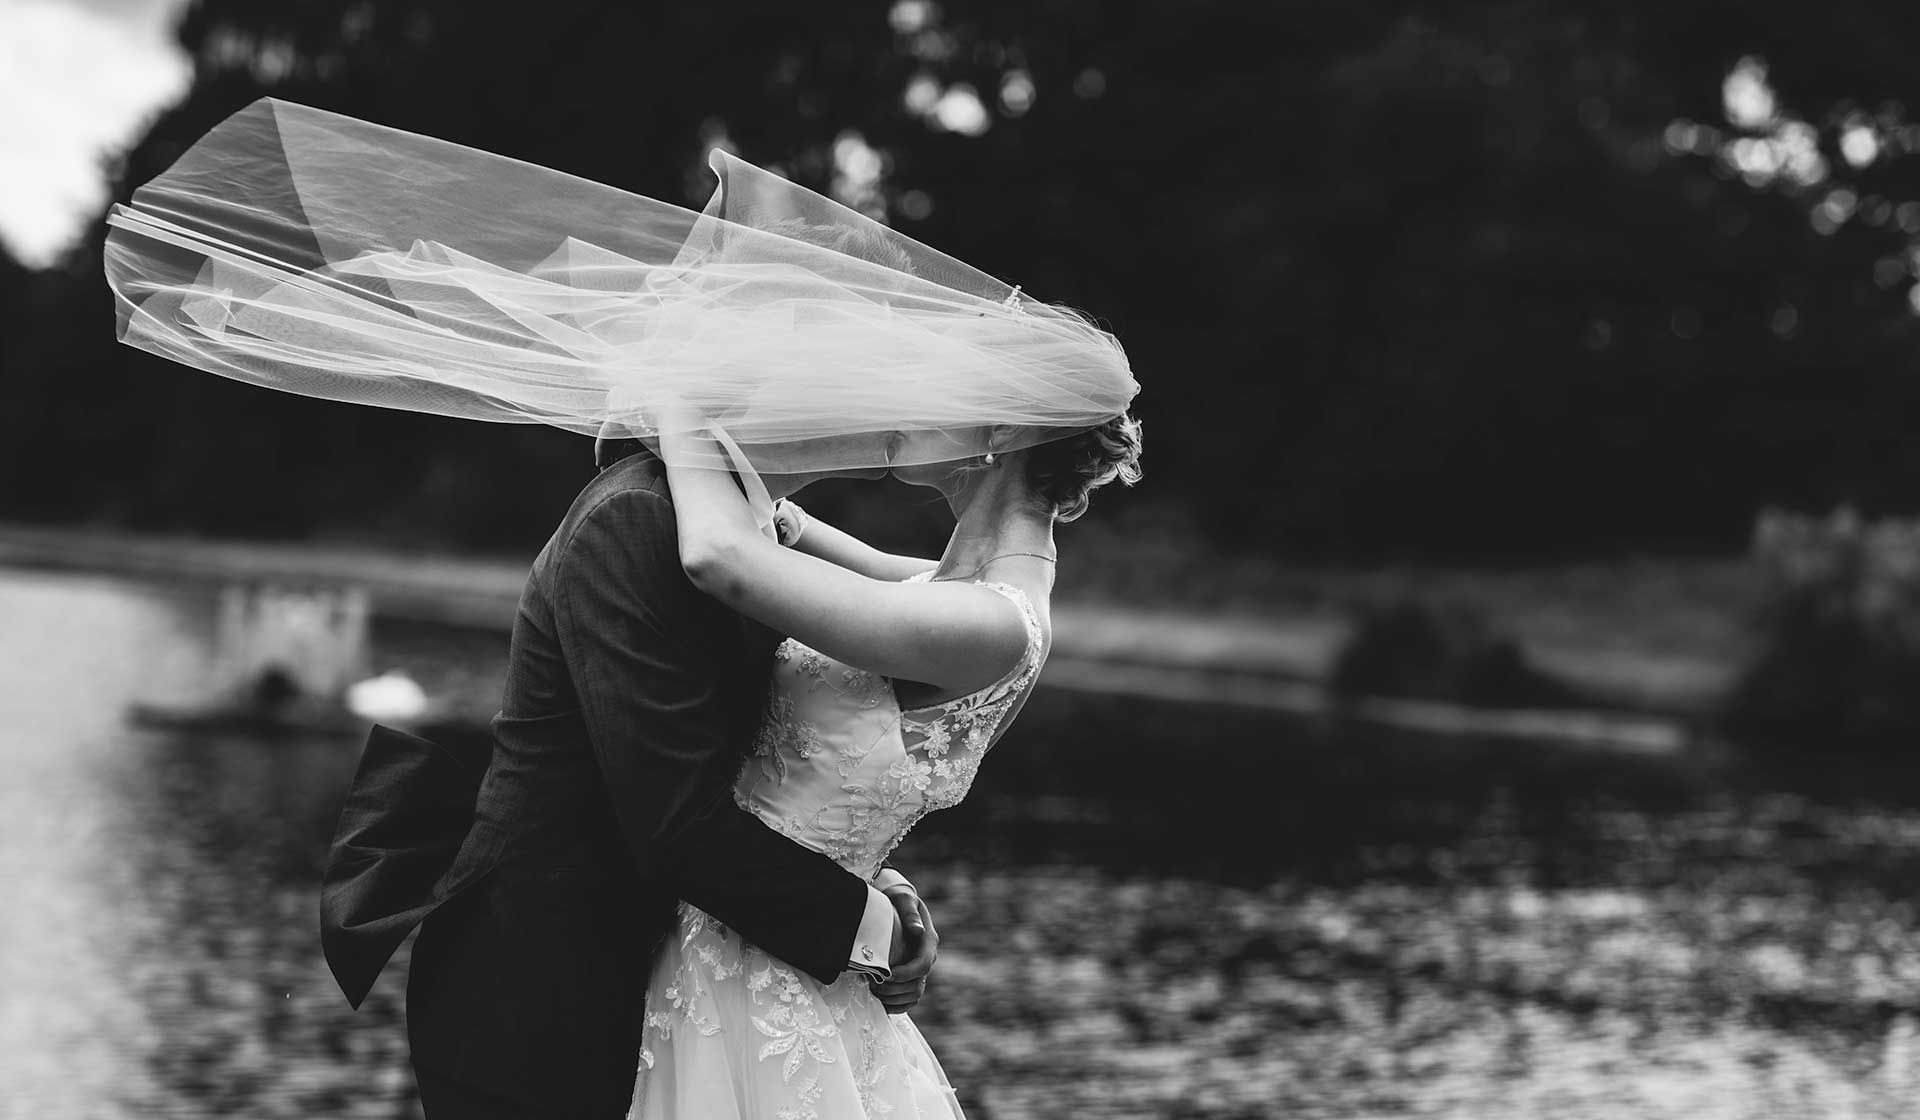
(989, 460)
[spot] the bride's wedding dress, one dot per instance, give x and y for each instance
(734, 1034)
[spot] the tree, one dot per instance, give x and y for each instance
(1487, 279)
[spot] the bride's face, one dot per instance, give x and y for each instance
(933, 458)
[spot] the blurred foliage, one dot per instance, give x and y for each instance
(1461, 280)
(1842, 657)
(1449, 652)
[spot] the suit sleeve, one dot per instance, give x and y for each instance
(647, 653)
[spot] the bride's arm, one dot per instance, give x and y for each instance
(950, 635)
(837, 546)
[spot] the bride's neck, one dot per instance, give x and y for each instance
(995, 514)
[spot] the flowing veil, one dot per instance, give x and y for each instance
(319, 254)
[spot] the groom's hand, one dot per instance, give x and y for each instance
(916, 945)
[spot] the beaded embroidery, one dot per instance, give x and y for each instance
(892, 766)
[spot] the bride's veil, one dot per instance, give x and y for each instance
(318, 254)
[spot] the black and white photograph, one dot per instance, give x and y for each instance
(939, 559)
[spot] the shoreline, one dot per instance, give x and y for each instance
(1651, 698)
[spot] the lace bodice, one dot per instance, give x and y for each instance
(838, 766)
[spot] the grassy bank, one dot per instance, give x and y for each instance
(1662, 636)
(1659, 634)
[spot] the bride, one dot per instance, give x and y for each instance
(898, 676)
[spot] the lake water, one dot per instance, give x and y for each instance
(1146, 910)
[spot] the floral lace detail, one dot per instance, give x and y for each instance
(788, 1015)
(802, 1031)
(776, 727)
(872, 688)
(688, 995)
(813, 664)
(804, 1108)
(793, 1025)
(843, 769)
(781, 733)
(870, 1082)
(957, 733)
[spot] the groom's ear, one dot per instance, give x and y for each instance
(612, 443)
(608, 450)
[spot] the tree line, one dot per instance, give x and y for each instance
(1487, 280)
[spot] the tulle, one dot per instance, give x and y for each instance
(318, 254)
(732, 1033)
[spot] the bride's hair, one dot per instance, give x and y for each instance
(1065, 472)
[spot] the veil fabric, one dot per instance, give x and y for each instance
(318, 254)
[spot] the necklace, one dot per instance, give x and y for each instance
(991, 559)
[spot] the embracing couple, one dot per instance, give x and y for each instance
(676, 864)
(664, 891)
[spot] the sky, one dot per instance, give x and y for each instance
(78, 79)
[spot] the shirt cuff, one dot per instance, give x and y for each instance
(872, 954)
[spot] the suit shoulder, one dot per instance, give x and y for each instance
(635, 487)
(634, 480)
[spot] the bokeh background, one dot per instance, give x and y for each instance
(1497, 700)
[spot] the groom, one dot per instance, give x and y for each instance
(548, 872)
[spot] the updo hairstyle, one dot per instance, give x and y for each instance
(1065, 472)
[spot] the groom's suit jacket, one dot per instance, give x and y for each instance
(630, 700)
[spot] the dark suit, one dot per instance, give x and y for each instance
(630, 699)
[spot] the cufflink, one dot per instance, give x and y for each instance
(866, 951)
